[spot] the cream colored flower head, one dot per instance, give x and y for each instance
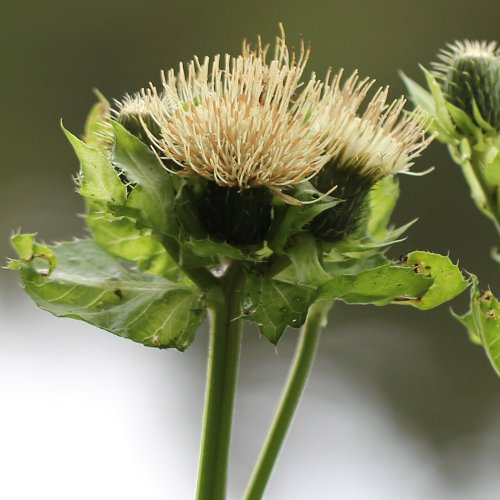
(249, 120)
(381, 141)
(252, 120)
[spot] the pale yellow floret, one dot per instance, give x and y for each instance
(381, 142)
(247, 121)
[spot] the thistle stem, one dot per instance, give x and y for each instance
(223, 362)
(294, 387)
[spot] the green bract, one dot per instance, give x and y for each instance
(148, 272)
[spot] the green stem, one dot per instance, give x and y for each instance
(223, 361)
(297, 378)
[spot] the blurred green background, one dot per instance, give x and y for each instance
(415, 371)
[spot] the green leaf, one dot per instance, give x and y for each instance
(483, 322)
(98, 180)
(382, 200)
(442, 115)
(90, 285)
(290, 219)
(98, 132)
(151, 201)
(211, 248)
(305, 256)
(28, 250)
(120, 237)
(275, 304)
(448, 281)
(379, 286)
(467, 320)
(419, 95)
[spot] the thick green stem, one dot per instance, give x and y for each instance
(224, 353)
(297, 378)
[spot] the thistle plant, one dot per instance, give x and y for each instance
(242, 189)
(463, 100)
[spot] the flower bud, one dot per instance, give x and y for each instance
(469, 72)
(132, 113)
(335, 223)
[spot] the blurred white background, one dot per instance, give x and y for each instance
(85, 414)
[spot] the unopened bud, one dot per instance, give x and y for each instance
(469, 72)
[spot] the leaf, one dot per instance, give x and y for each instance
(462, 120)
(421, 97)
(120, 237)
(290, 219)
(29, 250)
(211, 248)
(382, 200)
(151, 201)
(90, 285)
(379, 286)
(442, 115)
(305, 256)
(467, 320)
(432, 103)
(448, 281)
(275, 304)
(98, 132)
(483, 322)
(98, 180)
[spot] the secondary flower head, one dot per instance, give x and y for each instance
(380, 142)
(248, 121)
(370, 146)
(469, 74)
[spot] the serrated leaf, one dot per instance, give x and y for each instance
(448, 281)
(98, 180)
(462, 119)
(379, 286)
(151, 200)
(275, 304)
(28, 250)
(483, 322)
(91, 285)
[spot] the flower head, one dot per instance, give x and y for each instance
(380, 142)
(370, 146)
(469, 74)
(249, 120)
